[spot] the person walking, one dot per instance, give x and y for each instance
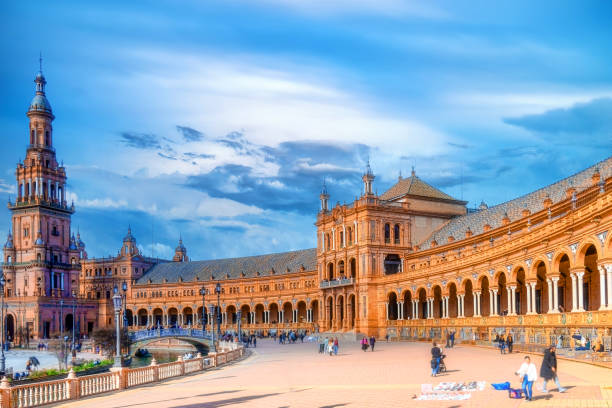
(509, 343)
(336, 346)
(364, 344)
(330, 346)
(322, 343)
(529, 373)
(452, 339)
(436, 355)
(548, 371)
(372, 342)
(502, 344)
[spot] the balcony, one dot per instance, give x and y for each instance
(337, 283)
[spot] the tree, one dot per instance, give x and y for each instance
(105, 338)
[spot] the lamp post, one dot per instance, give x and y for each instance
(125, 288)
(73, 346)
(212, 326)
(117, 305)
(203, 293)
(62, 318)
(2, 358)
(239, 313)
(218, 292)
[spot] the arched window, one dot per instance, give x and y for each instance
(20, 192)
(38, 257)
(396, 234)
(47, 139)
(330, 272)
(342, 245)
(32, 136)
(27, 190)
(387, 233)
(349, 236)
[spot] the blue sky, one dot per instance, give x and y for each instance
(218, 121)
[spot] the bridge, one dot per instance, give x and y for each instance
(200, 339)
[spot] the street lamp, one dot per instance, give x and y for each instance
(218, 292)
(212, 326)
(239, 313)
(203, 293)
(73, 347)
(2, 358)
(117, 304)
(125, 288)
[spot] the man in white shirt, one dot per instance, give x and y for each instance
(529, 374)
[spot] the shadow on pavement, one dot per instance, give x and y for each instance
(332, 406)
(174, 399)
(226, 402)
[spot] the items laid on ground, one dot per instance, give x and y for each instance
(450, 391)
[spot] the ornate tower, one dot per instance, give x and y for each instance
(368, 178)
(180, 253)
(324, 197)
(39, 258)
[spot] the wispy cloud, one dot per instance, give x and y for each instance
(140, 140)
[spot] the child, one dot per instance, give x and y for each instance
(529, 374)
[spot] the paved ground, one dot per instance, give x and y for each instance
(297, 376)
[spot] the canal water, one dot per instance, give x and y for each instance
(162, 356)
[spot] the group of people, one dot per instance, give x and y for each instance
(250, 340)
(328, 345)
(548, 371)
(365, 344)
(290, 337)
(504, 343)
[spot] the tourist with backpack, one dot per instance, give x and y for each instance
(529, 373)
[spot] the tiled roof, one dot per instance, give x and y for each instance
(533, 202)
(414, 186)
(281, 263)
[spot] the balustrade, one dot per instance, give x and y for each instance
(37, 394)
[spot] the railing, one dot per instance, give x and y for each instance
(337, 282)
(73, 387)
(171, 332)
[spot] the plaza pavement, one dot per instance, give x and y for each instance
(295, 375)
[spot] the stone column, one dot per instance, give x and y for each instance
(462, 305)
(609, 281)
(512, 309)
(416, 308)
(509, 303)
(555, 292)
(534, 309)
(477, 311)
(574, 296)
(527, 291)
(387, 308)
(602, 288)
(495, 303)
(399, 310)
(580, 275)
(550, 295)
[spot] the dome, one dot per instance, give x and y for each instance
(73, 246)
(39, 241)
(129, 237)
(79, 241)
(9, 241)
(40, 103)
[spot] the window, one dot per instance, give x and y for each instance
(26, 232)
(372, 230)
(387, 233)
(396, 234)
(55, 231)
(32, 136)
(47, 140)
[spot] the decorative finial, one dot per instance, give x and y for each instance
(399, 178)
(40, 61)
(413, 172)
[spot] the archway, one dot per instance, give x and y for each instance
(200, 312)
(351, 309)
(68, 321)
(314, 306)
(392, 306)
(274, 313)
(341, 270)
(301, 311)
(502, 293)
(259, 313)
(142, 317)
(330, 312)
(158, 317)
(453, 310)
(129, 315)
(422, 301)
(245, 314)
(591, 298)
(437, 302)
(565, 285)
(231, 315)
(485, 297)
(187, 316)
(521, 292)
(172, 317)
(340, 311)
(9, 327)
(330, 271)
(353, 267)
(287, 312)
(407, 299)
(392, 264)
(468, 299)
(542, 294)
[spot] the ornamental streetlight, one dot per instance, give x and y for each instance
(124, 287)
(239, 330)
(203, 293)
(117, 305)
(218, 292)
(73, 346)
(2, 358)
(212, 326)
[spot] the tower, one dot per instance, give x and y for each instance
(180, 253)
(43, 262)
(368, 178)
(324, 197)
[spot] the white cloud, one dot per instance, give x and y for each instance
(6, 187)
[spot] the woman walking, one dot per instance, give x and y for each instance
(364, 344)
(330, 346)
(548, 371)
(336, 346)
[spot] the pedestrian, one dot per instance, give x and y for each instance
(509, 343)
(436, 355)
(387, 337)
(548, 371)
(330, 346)
(364, 344)
(336, 346)
(372, 342)
(322, 343)
(529, 374)
(452, 339)
(502, 344)
(254, 342)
